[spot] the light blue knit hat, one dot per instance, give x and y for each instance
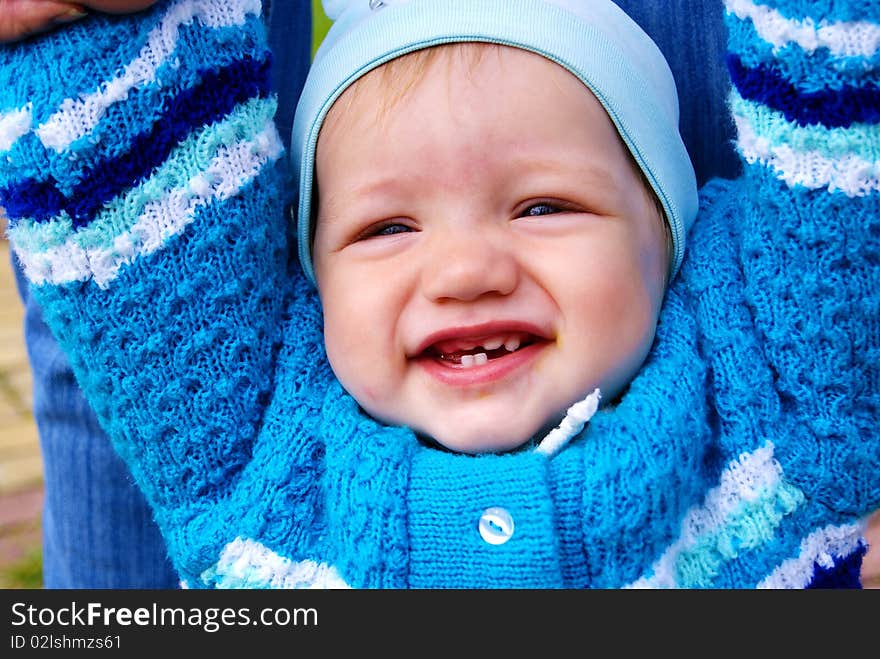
(594, 39)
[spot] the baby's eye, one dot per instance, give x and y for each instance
(391, 229)
(542, 208)
(380, 230)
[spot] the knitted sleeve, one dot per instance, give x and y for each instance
(806, 103)
(784, 281)
(139, 175)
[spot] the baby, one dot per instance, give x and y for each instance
(480, 214)
(485, 248)
(493, 207)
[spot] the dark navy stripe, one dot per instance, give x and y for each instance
(831, 108)
(217, 94)
(845, 573)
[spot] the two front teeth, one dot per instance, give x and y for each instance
(510, 344)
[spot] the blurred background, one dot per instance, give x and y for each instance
(21, 481)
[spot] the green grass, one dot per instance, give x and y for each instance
(27, 572)
(320, 25)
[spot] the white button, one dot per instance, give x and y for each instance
(496, 525)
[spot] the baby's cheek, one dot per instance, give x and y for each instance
(356, 360)
(342, 350)
(369, 396)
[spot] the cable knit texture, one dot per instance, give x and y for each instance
(140, 175)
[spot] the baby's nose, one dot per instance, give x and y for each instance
(467, 266)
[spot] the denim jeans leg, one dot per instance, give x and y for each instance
(290, 39)
(97, 528)
(692, 36)
(289, 25)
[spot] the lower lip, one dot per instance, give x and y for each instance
(492, 371)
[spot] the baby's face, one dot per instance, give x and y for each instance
(485, 252)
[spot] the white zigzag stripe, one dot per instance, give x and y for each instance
(845, 39)
(14, 124)
(743, 480)
(819, 547)
(79, 116)
(248, 563)
(850, 174)
(231, 169)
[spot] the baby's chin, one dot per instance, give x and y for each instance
(510, 434)
(480, 441)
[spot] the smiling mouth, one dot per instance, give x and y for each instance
(469, 353)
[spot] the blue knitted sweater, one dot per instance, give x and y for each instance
(140, 176)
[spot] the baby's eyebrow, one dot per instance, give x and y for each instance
(335, 207)
(372, 186)
(589, 170)
(586, 169)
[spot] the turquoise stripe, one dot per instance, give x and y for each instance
(751, 525)
(792, 532)
(862, 140)
(35, 237)
(832, 10)
(190, 158)
(799, 66)
(251, 578)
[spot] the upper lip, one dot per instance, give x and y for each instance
(482, 330)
